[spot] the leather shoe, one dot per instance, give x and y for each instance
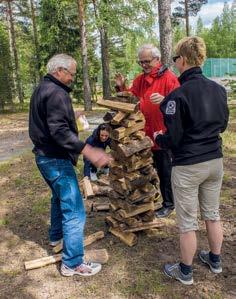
(164, 212)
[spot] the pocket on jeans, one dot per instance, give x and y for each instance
(49, 168)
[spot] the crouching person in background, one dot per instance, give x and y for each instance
(54, 133)
(195, 114)
(100, 139)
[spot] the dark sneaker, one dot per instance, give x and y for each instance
(85, 269)
(216, 267)
(164, 212)
(173, 271)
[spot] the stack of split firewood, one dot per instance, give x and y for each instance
(96, 194)
(133, 180)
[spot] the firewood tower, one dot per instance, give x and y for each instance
(133, 180)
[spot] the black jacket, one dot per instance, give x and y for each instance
(94, 141)
(195, 114)
(52, 125)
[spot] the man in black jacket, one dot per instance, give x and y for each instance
(54, 133)
(195, 114)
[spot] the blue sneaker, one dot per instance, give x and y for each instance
(174, 271)
(216, 267)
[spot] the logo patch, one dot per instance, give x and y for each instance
(171, 107)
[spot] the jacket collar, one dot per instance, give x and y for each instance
(189, 74)
(59, 83)
(153, 74)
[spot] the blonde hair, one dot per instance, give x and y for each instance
(193, 49)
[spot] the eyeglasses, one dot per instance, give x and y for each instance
(174, 58)
(141, 62)
(72, 74)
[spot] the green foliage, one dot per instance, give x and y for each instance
(129, 25)
(194, 7)
(58, 27)
(220, 38)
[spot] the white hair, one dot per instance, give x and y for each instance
(154, 50)
(60, 60)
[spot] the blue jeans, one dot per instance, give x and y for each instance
(67, 208)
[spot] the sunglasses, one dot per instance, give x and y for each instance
(174, 58)
(141, 62)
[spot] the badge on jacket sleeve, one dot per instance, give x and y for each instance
(171, 107)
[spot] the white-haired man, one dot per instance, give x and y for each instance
(53, 131)
(151, 87)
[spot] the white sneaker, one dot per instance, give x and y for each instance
(55, 243)
(93, 176)
(85, 269)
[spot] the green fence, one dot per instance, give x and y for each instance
(219, 67)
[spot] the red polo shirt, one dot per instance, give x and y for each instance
(145, 85)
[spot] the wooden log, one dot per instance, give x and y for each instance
(93, 238)
(139, 135)
(138, 182)
(125, 107)
(136, 210)
(132, 221)
(122, 204)
(103, 181)
(113, 207)
(101, 190)
(87, 241)
(124, 96)
(101, 207)
(116, 120)
(87, 187)
(100, 256)
(122, 132)
(111, 221)
(125, 140)
(129, 239)
(134, 147)
(127, 123)
(144, 226)
(119, 185)
(140, 196)
(148, 216)
(128, 167)
(136, 116)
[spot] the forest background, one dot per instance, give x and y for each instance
(102, 35)
(30, 33)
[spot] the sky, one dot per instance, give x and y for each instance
(208, 11)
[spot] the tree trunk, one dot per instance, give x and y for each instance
(84, 52)
(186, 17)
(105, 63)
(164, 11)
(15, 54)
(106, 87)
(36, 42)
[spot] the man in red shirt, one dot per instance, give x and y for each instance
(151, 87)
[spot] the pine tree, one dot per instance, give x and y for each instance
(188, 8)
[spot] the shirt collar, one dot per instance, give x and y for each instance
(59, 83)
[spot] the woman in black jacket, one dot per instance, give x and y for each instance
(195, 114)
(100, 138)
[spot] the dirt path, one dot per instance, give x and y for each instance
(14, 134)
